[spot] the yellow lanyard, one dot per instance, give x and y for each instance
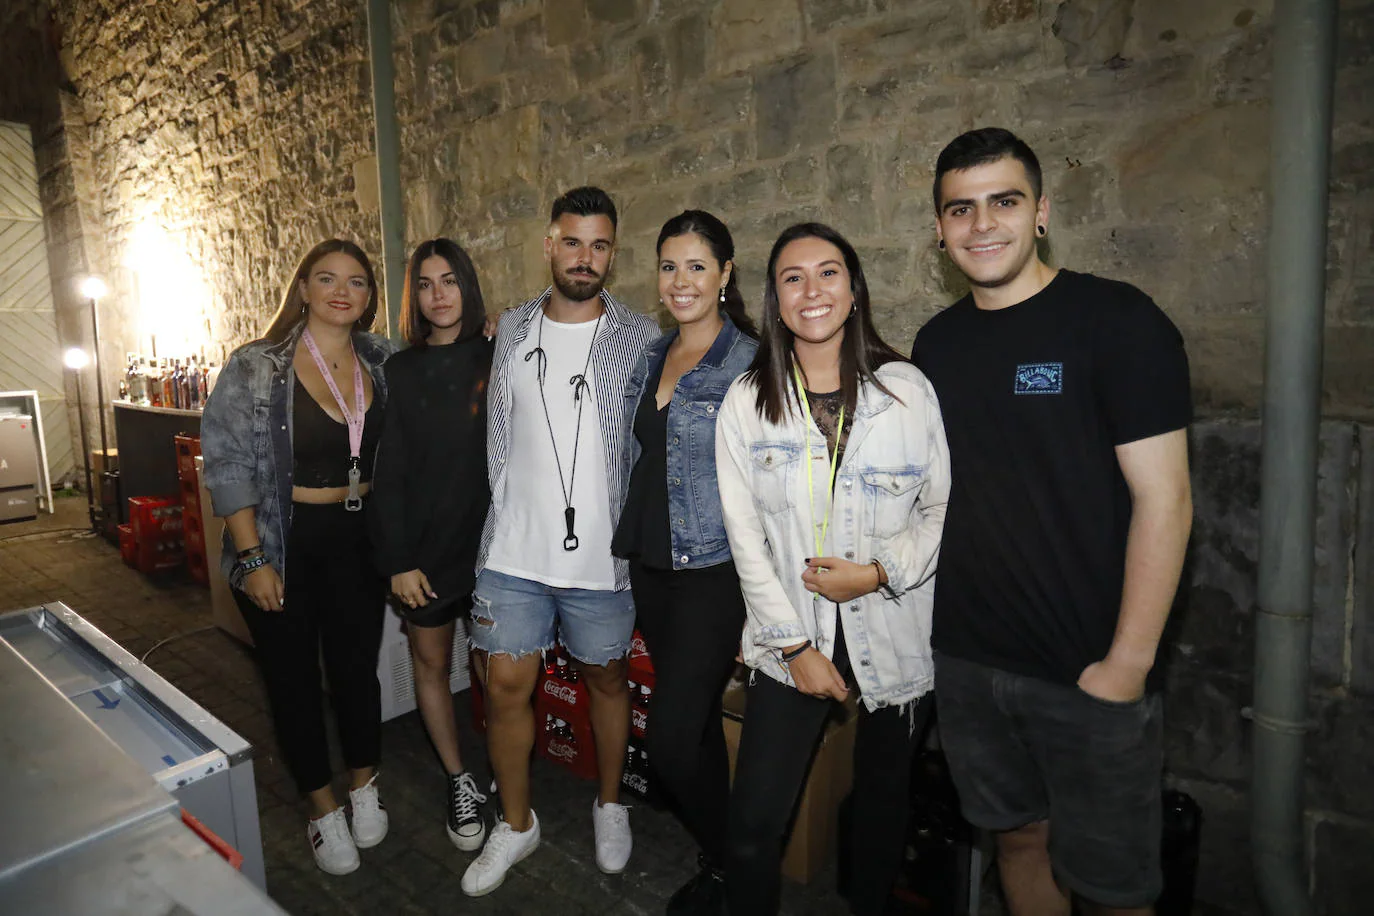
(818, 531)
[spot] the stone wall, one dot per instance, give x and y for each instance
(241, 132)
(1151, 120)
(1209, 659)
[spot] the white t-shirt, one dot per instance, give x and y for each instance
(528, 540)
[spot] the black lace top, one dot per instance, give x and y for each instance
(825, 410)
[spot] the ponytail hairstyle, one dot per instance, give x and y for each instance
(292, 313)
(713, 232)
(862, 351)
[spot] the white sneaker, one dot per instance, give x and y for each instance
(611, 824)
(335, 853)
(504, 848)
(465, 825)
(369, 815)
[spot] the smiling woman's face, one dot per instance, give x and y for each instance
(337, 291)
(814, 293)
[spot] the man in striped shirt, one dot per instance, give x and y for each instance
(555, 431)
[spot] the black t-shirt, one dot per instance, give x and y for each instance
(1034, 398)
(430, 493)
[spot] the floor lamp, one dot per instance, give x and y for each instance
(76, 360)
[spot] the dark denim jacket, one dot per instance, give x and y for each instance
(245, 437)
(697, 527)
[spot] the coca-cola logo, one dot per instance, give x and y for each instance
(637, 647)
(640, 719)
(561, 691)
(562, 750)
(636, 782)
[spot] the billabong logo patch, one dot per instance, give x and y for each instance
(1039, 378)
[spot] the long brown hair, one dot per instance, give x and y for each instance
(292, 313)
(862, 351)
(717, 238)
(415, 327)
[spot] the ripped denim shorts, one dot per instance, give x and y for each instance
(514, 616)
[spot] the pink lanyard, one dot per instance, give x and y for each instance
(354, 501)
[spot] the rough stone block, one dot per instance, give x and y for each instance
(1205, 736)
(746, 33)
(796, 105)
(801, 178)
(823, 14)
(896, 42)
(1344, 882)
(612, 10)
(995, 13)
(482, 58)
(1362, 624)
(564, 21)
(686, 40)
(1338, 755)
(1092, 31)
(850, 186)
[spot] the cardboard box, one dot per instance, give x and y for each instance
(812, 842)
(103, 460)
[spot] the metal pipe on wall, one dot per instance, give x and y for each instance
(388, 158)
(1304, 50)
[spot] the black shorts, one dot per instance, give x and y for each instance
(1023, 750)
(437, 613)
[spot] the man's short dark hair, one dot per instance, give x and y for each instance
(980, 147)
(585, 201)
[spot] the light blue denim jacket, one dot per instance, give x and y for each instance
(889, 505)
(697, 528)
(245, 438)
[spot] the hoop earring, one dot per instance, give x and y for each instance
(1041, 231)
(940, 244)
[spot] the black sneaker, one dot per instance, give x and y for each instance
(466, 828)
(704, 894)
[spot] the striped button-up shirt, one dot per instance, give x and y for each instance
(623, 336)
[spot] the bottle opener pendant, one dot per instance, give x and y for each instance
(570, 542)
(354, 501)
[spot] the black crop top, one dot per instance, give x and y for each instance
(320, 443)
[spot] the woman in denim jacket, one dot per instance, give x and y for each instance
(834, 475)
(289, 473)
(686, 591)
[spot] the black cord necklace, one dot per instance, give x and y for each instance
(580, 387)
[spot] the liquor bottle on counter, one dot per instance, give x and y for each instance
(164, 371)
(193, 384)
(154, 382)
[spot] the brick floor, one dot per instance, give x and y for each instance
(416, 870)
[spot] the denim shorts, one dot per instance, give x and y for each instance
(514, 616)
(1022, 750)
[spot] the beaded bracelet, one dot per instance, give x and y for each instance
(252, 563)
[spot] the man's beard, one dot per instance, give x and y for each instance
(579, 287)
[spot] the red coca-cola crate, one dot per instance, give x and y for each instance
(639, 660)
(188, 447)
(190, 497)
(128, 547)
(641, 693)
(160, 555)
(151, 517)
(568, 744)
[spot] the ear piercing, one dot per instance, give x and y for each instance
(1041, 231)
(940, 244)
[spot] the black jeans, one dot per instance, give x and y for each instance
(782, 730)
(691, 620)
(334, 606)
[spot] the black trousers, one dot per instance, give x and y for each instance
(691, 620)
(782, 730)
(334, 607)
